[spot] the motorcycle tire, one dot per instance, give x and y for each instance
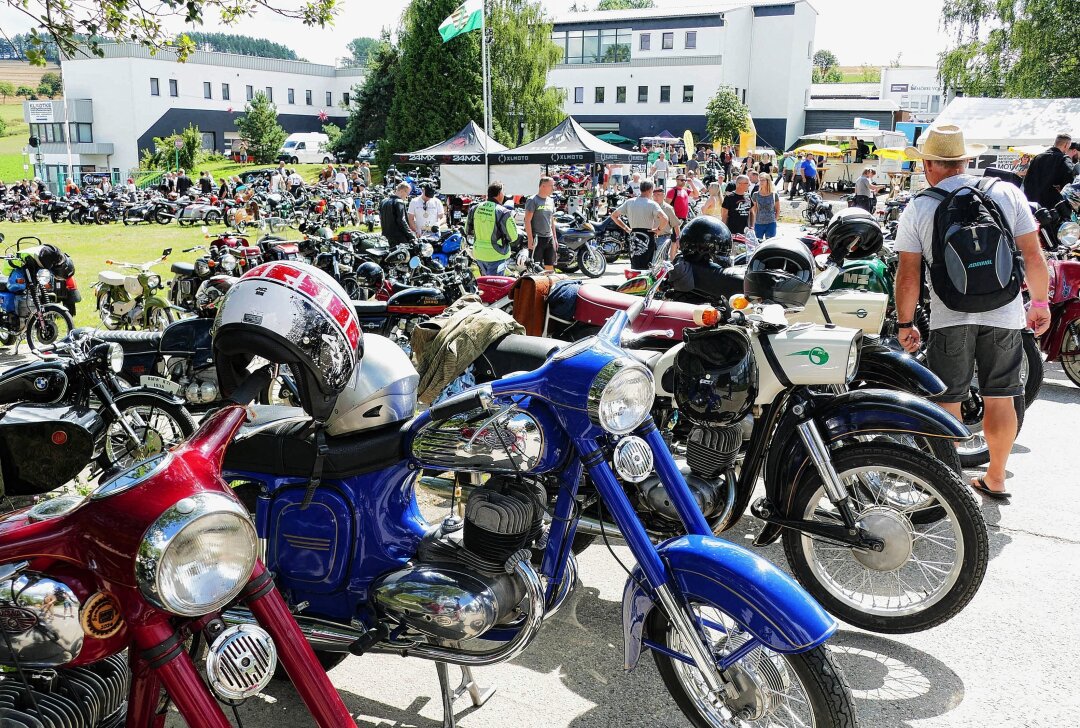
(101, 217)
(828, 697)
(75, 217)
(1070, 359)
(213, 217)
(58, 325)
(1033, 355)
(158, 318)
(56, 216)
(971, 549)
(371, 227)
(163, 217)
(36, 216)
(126, 219)
(113, 454)
(591, 262)
(102, 303)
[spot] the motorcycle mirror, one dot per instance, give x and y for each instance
(166, 253)
(414, 262)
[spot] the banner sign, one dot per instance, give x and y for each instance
(40, 112)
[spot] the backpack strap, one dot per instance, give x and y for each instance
(935, 193)
(986, 183)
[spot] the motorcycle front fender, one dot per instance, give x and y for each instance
(1052, 341)
(882, 366)
(707, 570)
(143, 393)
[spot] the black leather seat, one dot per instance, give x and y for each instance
(280, 444)
(184, 269)
(365, 309)
(514, 353)
(130, 341)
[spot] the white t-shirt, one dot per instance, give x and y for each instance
(341, 182)
(635, 187)
(426, 219)
(915, 232)
(295, 179)
(661, 168)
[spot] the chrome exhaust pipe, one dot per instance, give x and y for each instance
(323, 636)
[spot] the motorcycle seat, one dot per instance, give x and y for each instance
(514, 353)
(111, 278)
(184, 269)
(596, 304)
(369, 308)
(278, 443)
(130, 341)
(376, 254)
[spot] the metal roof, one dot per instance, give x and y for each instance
(1011, 121)
(852, 105)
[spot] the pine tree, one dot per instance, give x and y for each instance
(438, 88)
(521, 55)
(259, 127)
(371, 100)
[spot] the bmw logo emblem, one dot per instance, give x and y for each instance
(41, 383)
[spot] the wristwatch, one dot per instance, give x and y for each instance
(908, 325)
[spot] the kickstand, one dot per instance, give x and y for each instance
(468, 684)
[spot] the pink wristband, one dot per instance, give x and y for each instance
(1040, 304)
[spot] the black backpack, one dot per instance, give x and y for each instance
(976, 266)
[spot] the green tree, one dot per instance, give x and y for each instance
(521, 55)
(1016, 48)
(824, 60)
(7, 88)
(259, 127)
(64, 24)
(244, 45)
(726, 116)
(165, 155)
(360, 50)
(438, 87)
(50, 84)
(869, 73)
(624, 4)
(3, 127)
(833, 75)
(26, 92)
(370, 102)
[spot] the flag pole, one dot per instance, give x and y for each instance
(486, 86)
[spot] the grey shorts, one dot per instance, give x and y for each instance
(955, 352)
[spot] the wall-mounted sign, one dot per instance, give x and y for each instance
(898, 88)
(41, 112)
(861, 123)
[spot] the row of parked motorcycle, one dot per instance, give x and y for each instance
(646, 414)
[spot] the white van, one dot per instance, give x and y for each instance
(306, 148)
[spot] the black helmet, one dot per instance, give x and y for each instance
(704, 239)
(716, 376)
(853, 233)
(780, 271)
(210, 293)
(370, 277)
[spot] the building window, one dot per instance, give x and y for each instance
(345, 98)
(307, 97)
(225, 91)
(174, 88)
(292, 96)
(688, 94)
(269, 93)
(599, 97)
(82, 133)
(48, 133)
(665, 94)
(593, 46)
(691, 39)
(579, 94)
(620, 94)
(154, 89)
(206, 92)
(250, 91)
(668, 41)
(643, 94)
(645, 43)
(329, 99)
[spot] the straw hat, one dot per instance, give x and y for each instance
(945, 144)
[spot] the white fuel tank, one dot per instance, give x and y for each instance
(851, 309)
(807, 354)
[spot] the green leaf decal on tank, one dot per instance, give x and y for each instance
(817, 355)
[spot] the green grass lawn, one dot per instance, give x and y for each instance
(12, 143)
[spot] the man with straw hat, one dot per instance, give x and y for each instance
(962, 341)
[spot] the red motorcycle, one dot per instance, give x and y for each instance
(1061, 342)
(145, 563)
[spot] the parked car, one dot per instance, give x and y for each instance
(306, 148)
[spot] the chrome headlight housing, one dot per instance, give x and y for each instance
(153, 281)
(853, 357)
(116, 357)
(44, 277)
(202, 268)
(427, 250)
(621, 396)
(197, 556)
(228, 262)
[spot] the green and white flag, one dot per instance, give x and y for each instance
(469, 16)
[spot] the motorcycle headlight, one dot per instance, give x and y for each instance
(853, 357)
(154, 281)
(44, 277)
(116, 357)
(426, 250)
(197, 556)
(228, 262)
(202, 268)
(346, 259)
(621, 396)
(1067, 230)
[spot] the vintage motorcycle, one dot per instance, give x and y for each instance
(80, 374)
(734, 638)
(26, 308)
(145, 563)
(135, 300)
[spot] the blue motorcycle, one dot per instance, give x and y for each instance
(736, 641)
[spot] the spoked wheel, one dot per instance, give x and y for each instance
(156, 424)
(1070, 353)
(104, 309)
(804, 689)
(591, 261)
(159, 318)
(926, 572)
(279, 392)
(52, 326)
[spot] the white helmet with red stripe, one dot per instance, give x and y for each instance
(295, 314)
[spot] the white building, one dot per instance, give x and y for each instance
(116, 105)
(639, 72)
(916, 89)
(904, 93)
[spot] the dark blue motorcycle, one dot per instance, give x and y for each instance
(736, 640)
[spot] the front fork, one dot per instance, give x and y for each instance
(160, 660)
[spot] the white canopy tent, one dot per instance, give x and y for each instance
(1007, 123)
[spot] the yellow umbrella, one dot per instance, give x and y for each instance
(1029, 149)
(897, 153)
(820, 149)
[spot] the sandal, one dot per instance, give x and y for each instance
(980, 486)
